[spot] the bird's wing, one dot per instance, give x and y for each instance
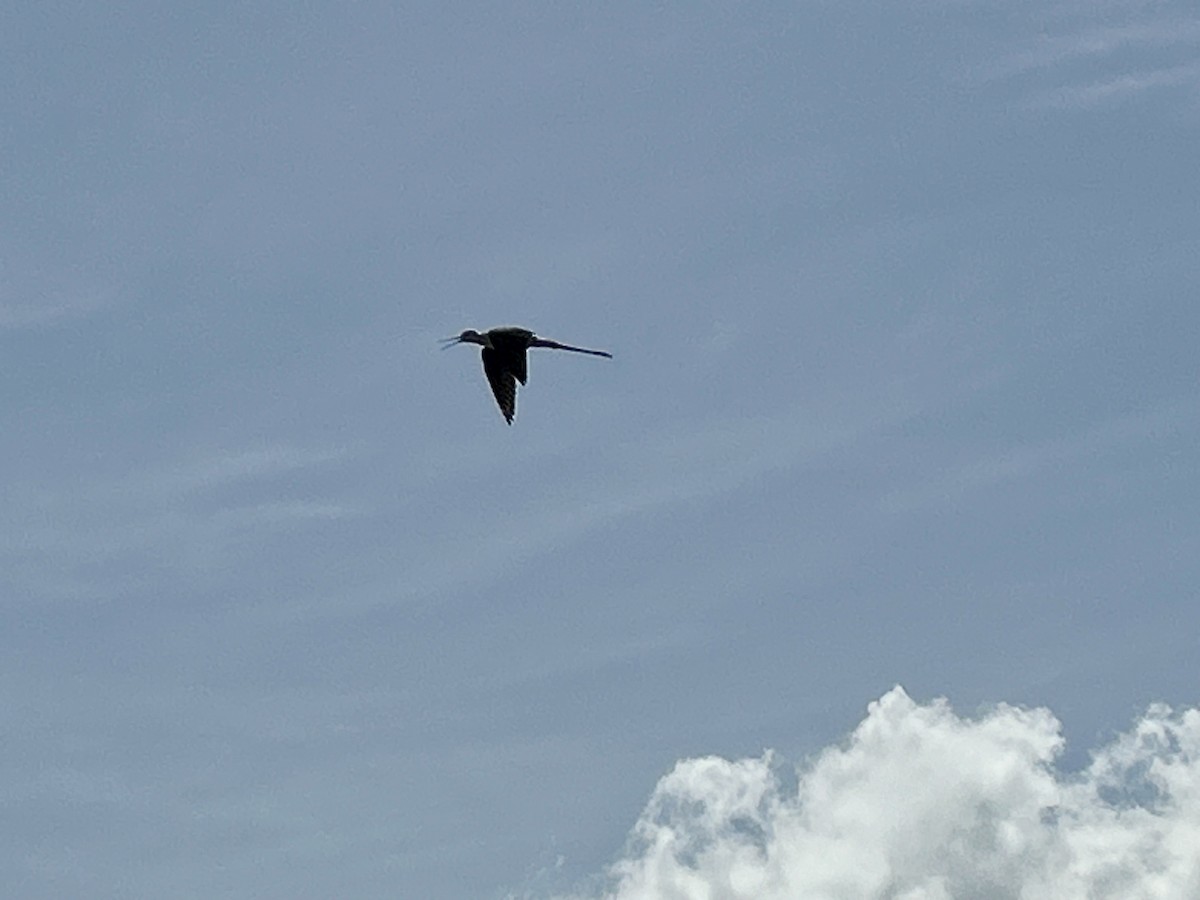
(517, 362)
(502, 380)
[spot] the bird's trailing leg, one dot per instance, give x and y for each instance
(555, 345)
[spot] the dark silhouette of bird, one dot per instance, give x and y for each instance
(504, 361)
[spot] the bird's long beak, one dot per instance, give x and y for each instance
(450, 342)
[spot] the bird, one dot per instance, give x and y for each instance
(504, 361)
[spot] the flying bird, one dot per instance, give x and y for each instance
(504, 361)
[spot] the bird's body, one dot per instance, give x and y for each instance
(504, 361)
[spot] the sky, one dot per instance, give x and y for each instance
(867, 567)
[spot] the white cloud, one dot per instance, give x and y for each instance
(924, 804)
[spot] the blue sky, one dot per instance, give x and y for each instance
(902, 299)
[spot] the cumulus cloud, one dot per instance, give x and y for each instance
(923, 804)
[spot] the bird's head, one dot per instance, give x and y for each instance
(470, 336)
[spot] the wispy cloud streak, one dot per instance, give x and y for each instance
(1025, 461)
(1119, 88)
(1046, 51)
(1103, 56)
(18, 314)
(50, 537)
